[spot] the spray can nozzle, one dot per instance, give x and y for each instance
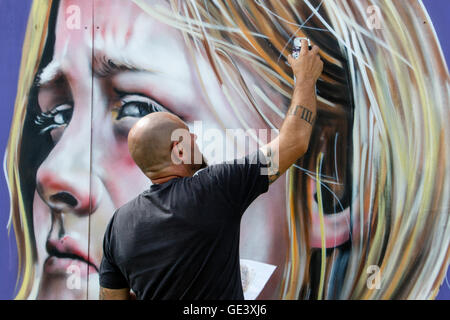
(298, 46)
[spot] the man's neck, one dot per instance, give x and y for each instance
(164, 179)
(170, 173)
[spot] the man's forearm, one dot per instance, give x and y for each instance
(116, 294)
(298, 124)
(295, 132)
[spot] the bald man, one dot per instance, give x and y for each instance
(180, 238)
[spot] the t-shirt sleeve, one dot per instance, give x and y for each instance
(241, 181)
(110, 275)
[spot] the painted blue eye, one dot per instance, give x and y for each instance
(137, 109)
(136, 105)
(57, 117)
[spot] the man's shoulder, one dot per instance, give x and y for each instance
(129, 207)
(256, 158)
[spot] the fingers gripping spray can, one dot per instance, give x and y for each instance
(297, 47)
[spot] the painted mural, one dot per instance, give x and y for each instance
(363, 215)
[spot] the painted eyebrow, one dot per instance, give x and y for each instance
(102, 67)
(50, 74)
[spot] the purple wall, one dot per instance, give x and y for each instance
(438, 11)
(12, 31)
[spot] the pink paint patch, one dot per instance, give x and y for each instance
(336, 226)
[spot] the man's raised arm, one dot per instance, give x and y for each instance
(295, 132)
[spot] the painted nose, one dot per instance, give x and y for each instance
(65, 193)
(65, 180)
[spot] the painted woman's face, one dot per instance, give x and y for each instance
(102, 78)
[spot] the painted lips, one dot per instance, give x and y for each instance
(66, 257)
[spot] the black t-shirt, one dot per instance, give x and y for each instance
(180, 239)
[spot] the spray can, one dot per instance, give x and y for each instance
(297, 47)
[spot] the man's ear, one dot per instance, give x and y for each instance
(177, 152)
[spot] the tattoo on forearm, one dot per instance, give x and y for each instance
(273, 177)
(273, 171)
(306, 114)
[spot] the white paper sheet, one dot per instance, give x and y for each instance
(254, 277)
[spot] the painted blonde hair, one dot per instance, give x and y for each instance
(400, 94)
(33, 46)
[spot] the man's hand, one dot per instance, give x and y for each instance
(295, 133)
(308, 67)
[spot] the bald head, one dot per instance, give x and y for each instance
(149, 141)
